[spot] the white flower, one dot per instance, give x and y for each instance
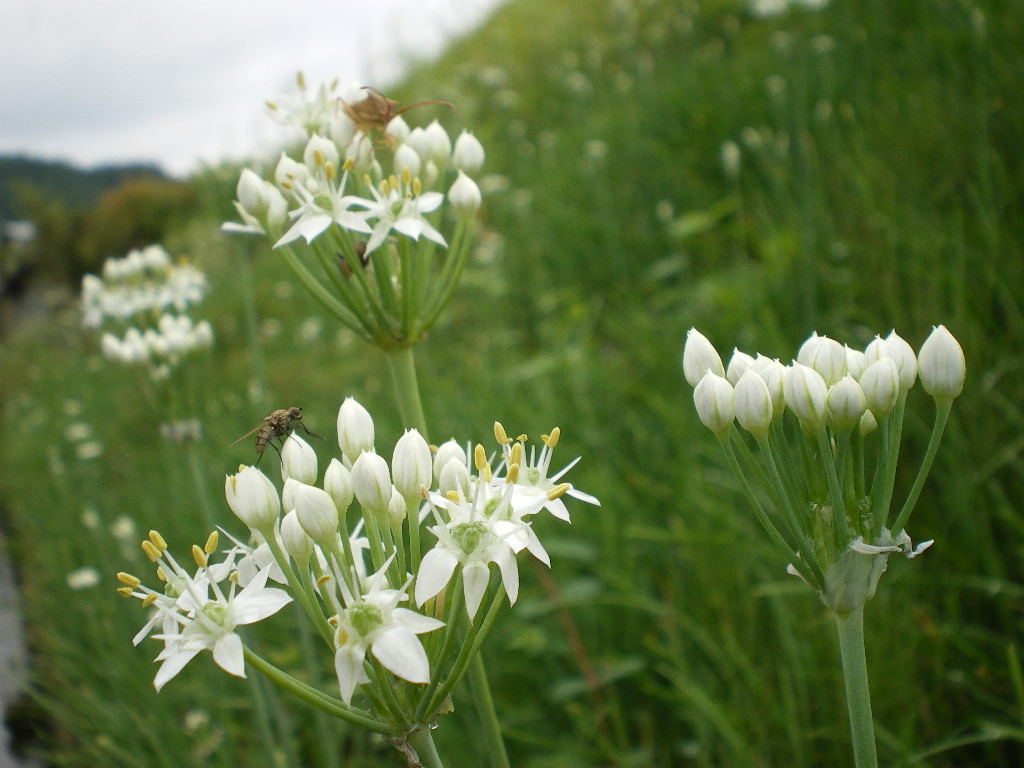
(943, 368)
(474, 539)
(713, 399)
(401, 210)
(374, 622)
(534, 489)
(699, 357)
(209, 625)
(319, 209)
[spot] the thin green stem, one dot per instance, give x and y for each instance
(850, 628)
(941, 415)
(488, 714)
(316, 698)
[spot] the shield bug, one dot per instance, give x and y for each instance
(279, 424)
(377, 110)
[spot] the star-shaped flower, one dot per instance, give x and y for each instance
(398, 207)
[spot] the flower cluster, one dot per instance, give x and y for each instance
(823, 508)
(352, 548)
(143, 282)
(367, 201)
(149, 294)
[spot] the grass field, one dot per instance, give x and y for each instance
(873, 180)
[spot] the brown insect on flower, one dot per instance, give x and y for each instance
(279, 424)
(377, 110)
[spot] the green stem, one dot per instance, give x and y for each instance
(941, 415)
(850, 627)
(488, 715)
(317, 698)
(422, 741)
(402, 367)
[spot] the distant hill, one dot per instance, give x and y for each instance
(64, 181)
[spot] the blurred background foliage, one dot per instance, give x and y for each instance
(655, 165)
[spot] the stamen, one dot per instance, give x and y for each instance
(199, 556)
(151, 551)
(558, 490)
(499, 434)
(128, 580)
(551, 440)
(149, 599)
(126, 591)
(513, 473)
(211, 543)
(158, 540)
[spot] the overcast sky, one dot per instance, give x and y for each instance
(179, 82)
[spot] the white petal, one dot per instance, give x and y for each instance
(557, 508)
(416, 623)
(920, 548)
(509, 574)
(429, 201)
(400, 651)
(228, 655)
(475, 577)
(348, 665)
(584, 497)
(172, 666)
(435, 572)
(257, 605)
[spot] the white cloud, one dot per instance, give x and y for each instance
(181, 81)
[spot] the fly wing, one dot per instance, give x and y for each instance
(250, 432)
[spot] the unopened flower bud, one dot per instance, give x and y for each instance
(411, 464)
(454, 477)
(407, 159)
(881, 385)
(699, 357)
(398, 129)
(713, 399)
(906, 360)
(856, 362)
(752, 403)
(338, 483)
(465, 196)
(738, 365)
(468, 154)
(316, 512)
(320, 151)
(355, 429)
(294, 538)
(298, 460)
(253, 498)
(396, 508)
(445, 453)
(806, 392)
(825, 355)
(943, 368)
(371, 481)
(846, 404)
(439, 146)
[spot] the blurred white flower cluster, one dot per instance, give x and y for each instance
(369, 550)
(145, 295)
(369, 198)
(821, 489)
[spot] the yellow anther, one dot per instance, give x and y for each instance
(286, 184)
(513, 473)
(558, 490)
(322, 580)
(417, 186)
(211, 543)
(151, 552)
(406, 176)
(521, 439)
(551, 440)
(499, 434)
(158, 540)
(128, 580)
(516, 455)
(126, 591)
(160, 573)
(241, 467)
(348, 164)
(452, 495)
(424, 493)
(329, 172)
(300, 80)
(479, 457)
(333, 621)
(199, 556)
(149, 599)
(318, 157)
